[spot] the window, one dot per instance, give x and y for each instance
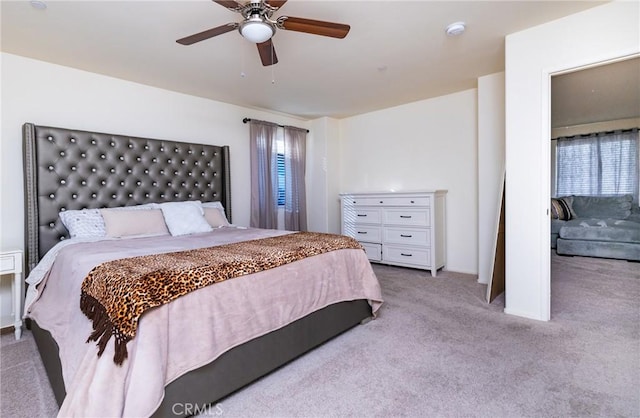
(280, 161)
(598, 164)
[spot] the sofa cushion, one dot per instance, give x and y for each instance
(556, 224)
(602, 207)
(601, 230)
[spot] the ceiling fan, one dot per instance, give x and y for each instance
(258, 27)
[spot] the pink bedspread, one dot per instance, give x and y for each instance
(191, 331)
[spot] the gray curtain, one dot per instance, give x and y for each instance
(295, 201)
(264, 175)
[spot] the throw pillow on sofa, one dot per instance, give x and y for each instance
(561, 208)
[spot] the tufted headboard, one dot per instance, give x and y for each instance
(71, 169)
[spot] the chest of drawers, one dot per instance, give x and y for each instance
(403, 229)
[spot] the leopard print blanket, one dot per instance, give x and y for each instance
(116, 293)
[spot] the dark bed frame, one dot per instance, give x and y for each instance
(67, 169)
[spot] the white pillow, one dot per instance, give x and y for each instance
(121, 223)
(85, 223)
(183, 218)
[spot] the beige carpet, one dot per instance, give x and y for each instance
(438, 350)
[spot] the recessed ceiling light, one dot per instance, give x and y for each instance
(455, 29)
(38, 4)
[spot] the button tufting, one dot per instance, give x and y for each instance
(93, 170)
(146, 147)
(130, 145)
(103, 182)
(51, 225)
(62, 153)
(155, 160)
(93, 142)
(146, 195)
(50, 168)
(73, 168)
(122, 183)
(84, 183)
(93, 195)
(72, 140)
(83, 155)
(146, 171)
(113, 144)
(50, 138)
(122, 158)
(61, 237)
(113, 196)
(130, 195)
(74, 196)
(138, 159)
(129, 170)
(138, 183)
(113, 170)
(103, 156)
(161, 148)
(62, 181)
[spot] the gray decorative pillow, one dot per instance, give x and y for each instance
(85, 223)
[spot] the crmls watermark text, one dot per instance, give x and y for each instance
(187, 408)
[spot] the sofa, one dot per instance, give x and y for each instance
(596, 226)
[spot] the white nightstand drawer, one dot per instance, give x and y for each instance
(420, 237)
(362, 215)
(7, 264)
(363, 232)
(406, 255)
(374, 251)
(406, 217)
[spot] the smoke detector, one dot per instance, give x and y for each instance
(455, 29)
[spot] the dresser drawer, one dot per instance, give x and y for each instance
(363, 232)
(388, 201)
(419, 237)
(362, 216)
(407, 201)
(411, 217)
(406, 255)
(374, 251)
(7, 264)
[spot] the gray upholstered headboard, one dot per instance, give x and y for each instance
(71, 169)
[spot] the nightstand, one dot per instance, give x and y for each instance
(11, 262)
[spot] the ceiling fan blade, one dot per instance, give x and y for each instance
(207, 34)
(267, 53)
(315, 27)
(229, 4)
(275, 3)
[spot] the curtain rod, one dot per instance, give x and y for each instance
(610, 131)
(245, 120)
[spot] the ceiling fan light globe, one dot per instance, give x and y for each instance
(256, 31)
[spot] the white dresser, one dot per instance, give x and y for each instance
(403, 229)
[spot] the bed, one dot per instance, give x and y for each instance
(66, 169)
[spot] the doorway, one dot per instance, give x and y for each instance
(596, 99)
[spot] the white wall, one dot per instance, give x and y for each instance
(430, 144)
(490, 168)
(47, 94)
(595, 35)
(323, 176)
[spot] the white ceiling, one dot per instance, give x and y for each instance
(597, 94)
(396, 52)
